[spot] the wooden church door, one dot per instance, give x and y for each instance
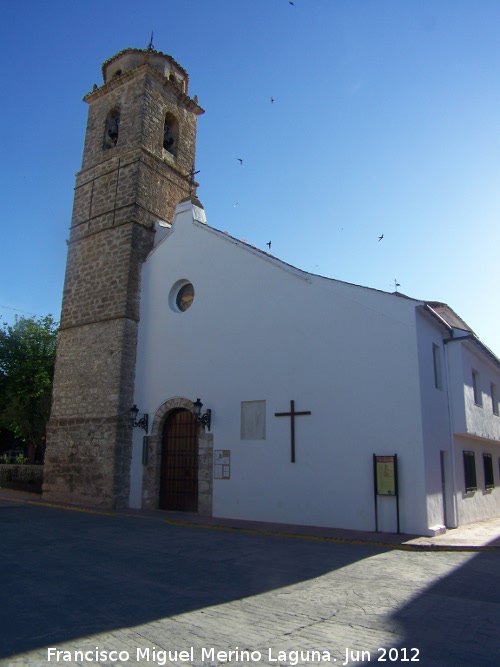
(179, 463)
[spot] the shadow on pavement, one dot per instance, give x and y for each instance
(455, 621)
(67, 574)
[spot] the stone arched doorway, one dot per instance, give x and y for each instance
(151, 489)
(179, 462)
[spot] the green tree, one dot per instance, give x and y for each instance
(27, 358)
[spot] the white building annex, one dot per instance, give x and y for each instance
(375, 374)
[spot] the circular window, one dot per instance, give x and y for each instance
(184, 297)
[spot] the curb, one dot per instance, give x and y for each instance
(340, 540)
(380, 544)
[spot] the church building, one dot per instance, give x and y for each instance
(197, 373)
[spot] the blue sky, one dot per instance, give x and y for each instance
(386, 120)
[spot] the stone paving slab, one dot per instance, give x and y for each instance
(159, 592)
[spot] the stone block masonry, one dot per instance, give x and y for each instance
(88, 460)
(98, 289)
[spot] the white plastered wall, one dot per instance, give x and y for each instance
(261, 330)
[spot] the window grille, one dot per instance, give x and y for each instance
(470, 472)
(489, 481)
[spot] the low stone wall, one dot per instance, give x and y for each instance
(21, 477)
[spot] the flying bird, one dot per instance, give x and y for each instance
(269, 245)
(239, 160)
(272, 100)
(380, 237)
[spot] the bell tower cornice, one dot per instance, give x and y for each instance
(127, 64)
(148, 55)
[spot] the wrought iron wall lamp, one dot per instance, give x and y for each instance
(204, 418)
(143, 421)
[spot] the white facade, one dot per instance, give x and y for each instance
(259, 334)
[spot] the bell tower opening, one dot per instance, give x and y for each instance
(170, 133)
(111, 129)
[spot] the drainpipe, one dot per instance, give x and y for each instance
(455, 521)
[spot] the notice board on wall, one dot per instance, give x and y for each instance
(385, 482)
(222, 464)
(385, 475)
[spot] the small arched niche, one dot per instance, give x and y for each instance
(111, 129)
(170, 133)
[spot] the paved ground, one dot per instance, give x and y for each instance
(121, 589)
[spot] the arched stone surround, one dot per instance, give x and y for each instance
(151, 475)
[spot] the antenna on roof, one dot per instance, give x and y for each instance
(150, 45)
(396, 285)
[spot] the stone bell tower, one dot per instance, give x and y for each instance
(138, 163)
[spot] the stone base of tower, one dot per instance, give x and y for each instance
(89, 435)
(88, 464)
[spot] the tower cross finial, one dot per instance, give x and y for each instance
(150, 45)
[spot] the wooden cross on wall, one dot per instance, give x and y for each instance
(292, 414)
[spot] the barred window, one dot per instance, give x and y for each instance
(470, 471)
(489, 481)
